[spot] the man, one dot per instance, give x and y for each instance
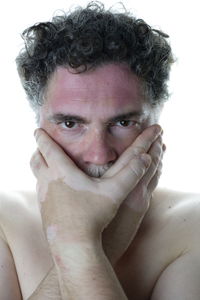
(97, 226)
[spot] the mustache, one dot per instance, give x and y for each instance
(97, 171)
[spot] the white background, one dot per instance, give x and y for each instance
(180, 119)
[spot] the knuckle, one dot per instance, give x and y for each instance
(32, 160)
(45, 148)
(157, 129)
(139, 149)
(155, 159)
(158, 142)
(35, 161)
(138, 169)
(157, 169)
(43, 143)
(157, 151)
(143, 191)
(38, 135)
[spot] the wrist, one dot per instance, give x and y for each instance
(84, 271)
(60, 239)
(72, 254)
(78, 261)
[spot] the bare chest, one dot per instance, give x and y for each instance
(137, 271)
(33, 261)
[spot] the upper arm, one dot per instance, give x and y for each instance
(180, 280)
(9, 285)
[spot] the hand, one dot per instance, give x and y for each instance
(74, 206)
(119, 234)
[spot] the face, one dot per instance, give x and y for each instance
(94, 116)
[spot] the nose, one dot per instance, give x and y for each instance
(99, 149)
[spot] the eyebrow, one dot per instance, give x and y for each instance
(60, 117)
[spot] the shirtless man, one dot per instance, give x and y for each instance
(98, 227)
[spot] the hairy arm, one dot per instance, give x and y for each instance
(85, 273)
(49, 288)
(85, 270)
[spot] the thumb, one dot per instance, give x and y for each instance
(127, 178)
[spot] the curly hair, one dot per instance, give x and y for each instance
(89, 37)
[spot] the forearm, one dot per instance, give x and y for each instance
(49, 288)
(85, 273)
(120, 233)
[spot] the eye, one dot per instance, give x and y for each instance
(69, 124)
(126, 123)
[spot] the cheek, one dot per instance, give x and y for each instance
(124, 140)
(54, 133)
(69, 147)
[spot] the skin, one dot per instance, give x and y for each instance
(97, 144)
(147, 247)
(94, 143)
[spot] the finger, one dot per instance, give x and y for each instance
(156, 153)
(125, 180)
(37, 163)
(141, 144)
(58, 160)
(145, 140)
(52, 153)
(155, 179)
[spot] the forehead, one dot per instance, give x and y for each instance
(111, 86)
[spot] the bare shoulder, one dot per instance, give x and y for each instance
(16, 200)
(174, 217)
(16, 208)
(27, 252)
(174, 226)
(181, 206)
(167, 242)
(168, 196)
